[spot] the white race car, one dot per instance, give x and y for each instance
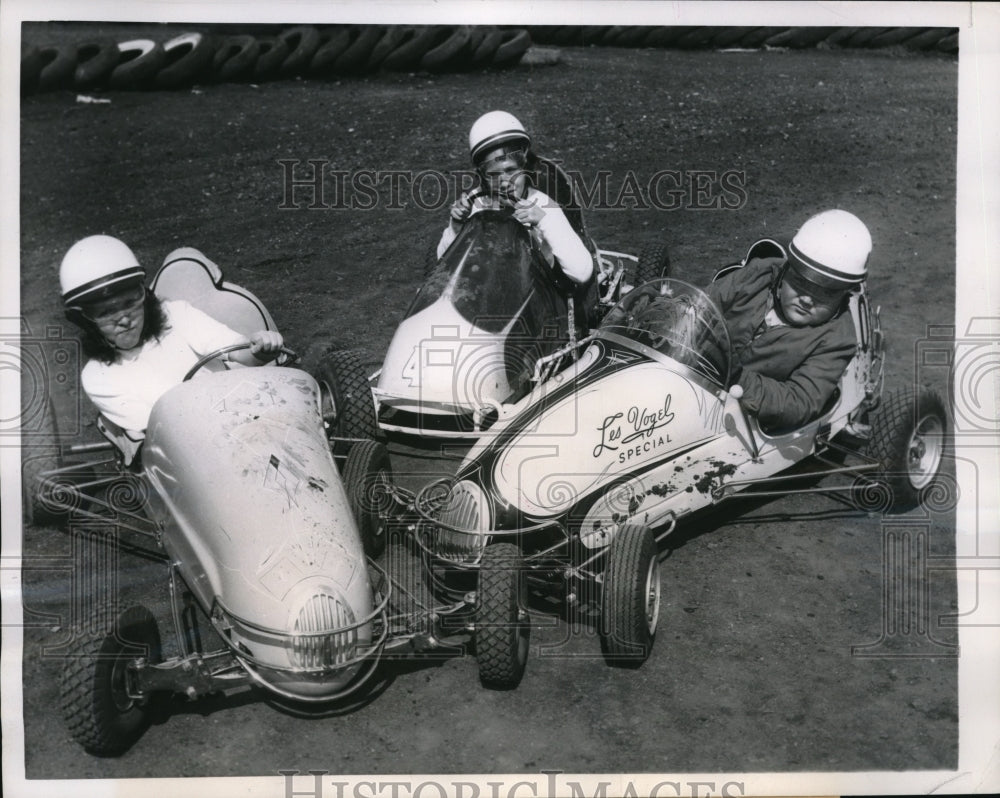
(573, 485)
(262, 536)
(488, 311)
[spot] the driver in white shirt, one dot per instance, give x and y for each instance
(499, 146)
(138, 347)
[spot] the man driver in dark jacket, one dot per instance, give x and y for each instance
(788, 322)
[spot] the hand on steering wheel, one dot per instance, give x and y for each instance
(284, 350)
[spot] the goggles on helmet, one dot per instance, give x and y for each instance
(110, 308)
(802, 285)
(494, 157)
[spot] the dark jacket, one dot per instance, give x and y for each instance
(789, 373)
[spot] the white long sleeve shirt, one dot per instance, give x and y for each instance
(125, 391)
(557, 238)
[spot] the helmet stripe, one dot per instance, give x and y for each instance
(498, 138)
(826, 271)
(103, 282)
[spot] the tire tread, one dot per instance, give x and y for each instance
(498, 669)
(891, 426)
(624, 637)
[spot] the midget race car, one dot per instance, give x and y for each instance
(487, 312)
(263, 534)
(573, 486)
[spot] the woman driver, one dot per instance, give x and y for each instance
(138, 347)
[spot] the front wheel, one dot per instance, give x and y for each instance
(502, 627)
(345, 397)
(367, 477)
(653, 264)
(907, 440)
(98, 705)
(630, 600)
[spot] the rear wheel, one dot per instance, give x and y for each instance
(367, 477)
(630, 601)
(345, 397)
(502, 627)
(97, 706)
(907, 440)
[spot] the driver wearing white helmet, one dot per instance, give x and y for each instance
(499, 146)
(787, 318)
(137, 346)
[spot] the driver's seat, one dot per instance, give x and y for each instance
(187, 274)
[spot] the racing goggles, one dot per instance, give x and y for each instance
(106, 311)
(802, 286)
(506, 164)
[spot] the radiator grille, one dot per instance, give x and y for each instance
(323, 612)
(465, 509)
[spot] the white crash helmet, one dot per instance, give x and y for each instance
(831, 251)
(96, 267)
(495, 129)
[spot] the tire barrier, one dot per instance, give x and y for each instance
(235, 59)
(305, 51)
(449, 43)
(302, 42)
(94, 62)
(361, 45)
(139, 61)
(272, 54)
(31, 67)
(57, 67)
(188, 59)
(943, 40)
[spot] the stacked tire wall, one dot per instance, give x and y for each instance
(943, 40)
(223, 54)
(302, 51)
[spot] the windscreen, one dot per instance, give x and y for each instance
(486, 273)
(677, 320)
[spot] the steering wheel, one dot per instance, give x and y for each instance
(290, 357)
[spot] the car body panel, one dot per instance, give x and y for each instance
(247, 496)
(490, 308)
(641, 429)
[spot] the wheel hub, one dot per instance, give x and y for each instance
(119, 689)
(653, 595)
(925, 451)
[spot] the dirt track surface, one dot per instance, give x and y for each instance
(752, 670)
